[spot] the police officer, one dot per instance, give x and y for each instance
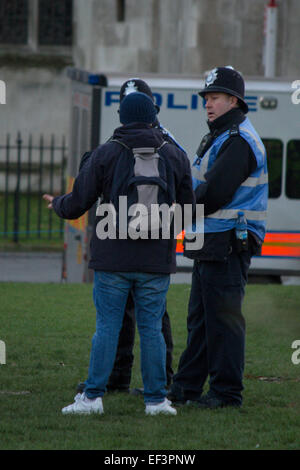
(229, 177)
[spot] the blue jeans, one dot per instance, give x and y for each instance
(111, 290)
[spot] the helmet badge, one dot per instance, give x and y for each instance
(212, 76)
(130, 88)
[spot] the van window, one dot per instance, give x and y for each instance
(274, 148)
(293, 169)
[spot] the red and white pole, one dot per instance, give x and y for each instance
(271, 38)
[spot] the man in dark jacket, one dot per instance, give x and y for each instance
(121, 374)
(230, 178)
(120, 377)
(121, 264)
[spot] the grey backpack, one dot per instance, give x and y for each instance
(144, 176)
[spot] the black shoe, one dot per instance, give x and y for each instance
(137, 392)
(210, 402)
(121, 389)
(80, 387)
(176, 395)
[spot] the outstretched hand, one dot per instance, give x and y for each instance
(49, 198)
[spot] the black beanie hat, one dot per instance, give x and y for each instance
(137, 107)
(226, 80)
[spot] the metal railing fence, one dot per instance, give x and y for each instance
(27, 171)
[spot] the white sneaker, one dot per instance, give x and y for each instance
(84, 405)
(163, 407)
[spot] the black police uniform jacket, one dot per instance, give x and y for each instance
(95, 180)
(235, 162)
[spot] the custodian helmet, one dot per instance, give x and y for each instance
(226, 80)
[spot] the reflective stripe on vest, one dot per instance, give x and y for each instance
(232, 214)
(251, 197)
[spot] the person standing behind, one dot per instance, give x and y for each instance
(230, 178)
(121, 265)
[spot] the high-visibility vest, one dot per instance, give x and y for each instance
(251, 197)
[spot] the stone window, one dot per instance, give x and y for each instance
(14, 21)
(55, 22)
(35, 24)
(121, 7)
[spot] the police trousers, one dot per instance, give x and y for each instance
(216, 330)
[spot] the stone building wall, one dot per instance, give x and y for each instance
(158, 36)
(183, 36)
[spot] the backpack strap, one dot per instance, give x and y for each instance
(139, 149)
(164, 143)
(120, 142)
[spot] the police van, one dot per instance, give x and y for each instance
(274, 109)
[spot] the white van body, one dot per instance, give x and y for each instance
(274, 110)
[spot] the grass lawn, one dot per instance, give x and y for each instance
(47, 330)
